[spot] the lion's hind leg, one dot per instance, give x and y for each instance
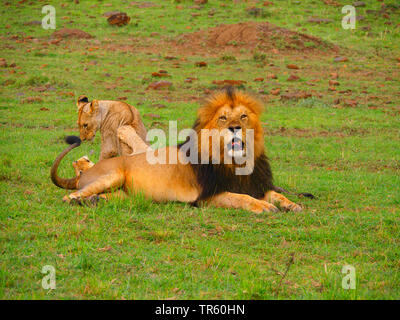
(241, 201)
(104, 183)
(282, 201)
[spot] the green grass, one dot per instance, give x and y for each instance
(135, 249)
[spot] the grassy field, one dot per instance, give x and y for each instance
(341, 144)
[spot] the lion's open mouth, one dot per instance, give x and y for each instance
(236, 145)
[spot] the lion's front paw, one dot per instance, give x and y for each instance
(291, 206)
(260, 206)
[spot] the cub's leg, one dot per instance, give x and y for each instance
(284, 203)
(108, 148)
(131, 143)
(102, 184)
(241, 201)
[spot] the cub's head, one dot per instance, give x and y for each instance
(81, 165)
(88, 118)
(233, 117)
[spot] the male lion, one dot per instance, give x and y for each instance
(121, 127)
(229, 112)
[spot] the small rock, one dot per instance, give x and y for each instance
(292, 66)
(293, 77)
(201, 64)
(351, 103)
(190, 79)
(160, 74)
(152, 115)
(276, 91)
(268, 3)
(340, 59)
(159, 85)
(334, 75)
(119, 19)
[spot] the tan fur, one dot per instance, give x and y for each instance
(82, 164)
(121, 127)
(282, 201)
(178, 182)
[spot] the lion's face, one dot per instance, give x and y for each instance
(88, 119)
(234, 120)
(82, 164)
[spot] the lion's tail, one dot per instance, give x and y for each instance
(61, 182)
(302, 194)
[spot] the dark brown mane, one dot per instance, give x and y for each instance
(217, 178)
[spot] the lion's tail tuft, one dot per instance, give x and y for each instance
(302, 194)
(73, 139)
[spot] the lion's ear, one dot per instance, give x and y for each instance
(82, 100)
(94, 106)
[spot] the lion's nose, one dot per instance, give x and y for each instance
(233, 129)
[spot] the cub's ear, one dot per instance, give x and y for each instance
(82, 100)
(94, 106)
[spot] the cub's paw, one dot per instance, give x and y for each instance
(72, 199)
(124, 133)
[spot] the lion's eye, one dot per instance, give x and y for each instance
(243, 116)
(222, 118)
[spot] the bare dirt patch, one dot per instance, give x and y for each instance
(254, 36)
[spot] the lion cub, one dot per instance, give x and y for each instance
(82, 164)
